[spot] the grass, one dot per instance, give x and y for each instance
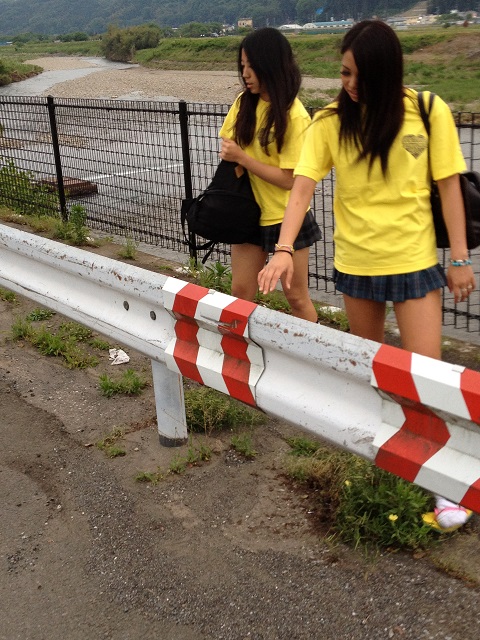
(64, 342)
(208, 410)
(333, 316)
(129, 249)
(24, 201)
(109, 444)
(73, 230)
(216, 276)
(152, 477)
(39, 314)
(7, 296)
(243, 444)
(195, 456)
(22, 194)
(130, 384)
(359, 503)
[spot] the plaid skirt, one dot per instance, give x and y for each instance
(395, 288)
(309, 234)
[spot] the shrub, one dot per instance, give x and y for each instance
(20, 191)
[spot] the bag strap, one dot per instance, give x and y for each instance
(423, 112)
(426, 118)
(209, 245)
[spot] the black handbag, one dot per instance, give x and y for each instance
(470, 186)
(225, 212)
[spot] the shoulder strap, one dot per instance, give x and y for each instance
(425, 114)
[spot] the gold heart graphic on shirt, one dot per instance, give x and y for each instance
(415, 145)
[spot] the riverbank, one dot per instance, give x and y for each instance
(139, 83)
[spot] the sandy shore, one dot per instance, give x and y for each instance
(140, 83)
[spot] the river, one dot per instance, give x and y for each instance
(37, 85)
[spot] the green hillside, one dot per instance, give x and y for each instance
(94, 16)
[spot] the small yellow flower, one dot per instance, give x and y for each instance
(347, 483)
(392, 517)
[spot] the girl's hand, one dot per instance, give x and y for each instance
(230, 151)
(461, 282)
(279, 264)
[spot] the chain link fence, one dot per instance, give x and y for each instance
(129, 164)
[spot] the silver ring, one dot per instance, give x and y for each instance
(462, 290)
(469, 287)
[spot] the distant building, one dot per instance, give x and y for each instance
(245, 22)
(290, 27)
(337, 25)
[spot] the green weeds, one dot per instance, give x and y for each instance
(74, 230)
(39, 314)
(7, 296)
(109, 444)
(360, 503)
(208, 410)
(333, 316)
(153, 477)
(98, 343)
(130, 384)
(22, 329)
(63, 343)
(243, 444)
(217, 276)
(20, 192)
(195, 456)
(129, 249)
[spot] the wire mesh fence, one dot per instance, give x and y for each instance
(129, 164)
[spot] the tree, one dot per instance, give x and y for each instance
(305, 10)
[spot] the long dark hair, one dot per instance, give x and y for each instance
(270, 56)
(373, 122)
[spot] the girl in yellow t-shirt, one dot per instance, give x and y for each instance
(263, 132)
(385, 249)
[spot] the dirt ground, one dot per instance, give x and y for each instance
(228, 550)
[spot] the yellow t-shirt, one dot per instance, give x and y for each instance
(384, 226)
(271, 199)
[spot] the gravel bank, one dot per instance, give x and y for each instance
(139, 83)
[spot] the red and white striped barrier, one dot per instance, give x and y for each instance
(416, 417)
(427, 435)
(211, 343)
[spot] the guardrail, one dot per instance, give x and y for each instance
(416, 417)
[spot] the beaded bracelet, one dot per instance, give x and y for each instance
(284, 247)
(460, 263)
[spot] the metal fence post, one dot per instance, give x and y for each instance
(58, 160)
(187, 168)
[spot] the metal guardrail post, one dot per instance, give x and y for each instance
(170, 405)
(187, 169)
(58, 160)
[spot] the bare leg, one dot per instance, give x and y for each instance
(298, 295)
(366, 317)
(247, 261)
(420, 324)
